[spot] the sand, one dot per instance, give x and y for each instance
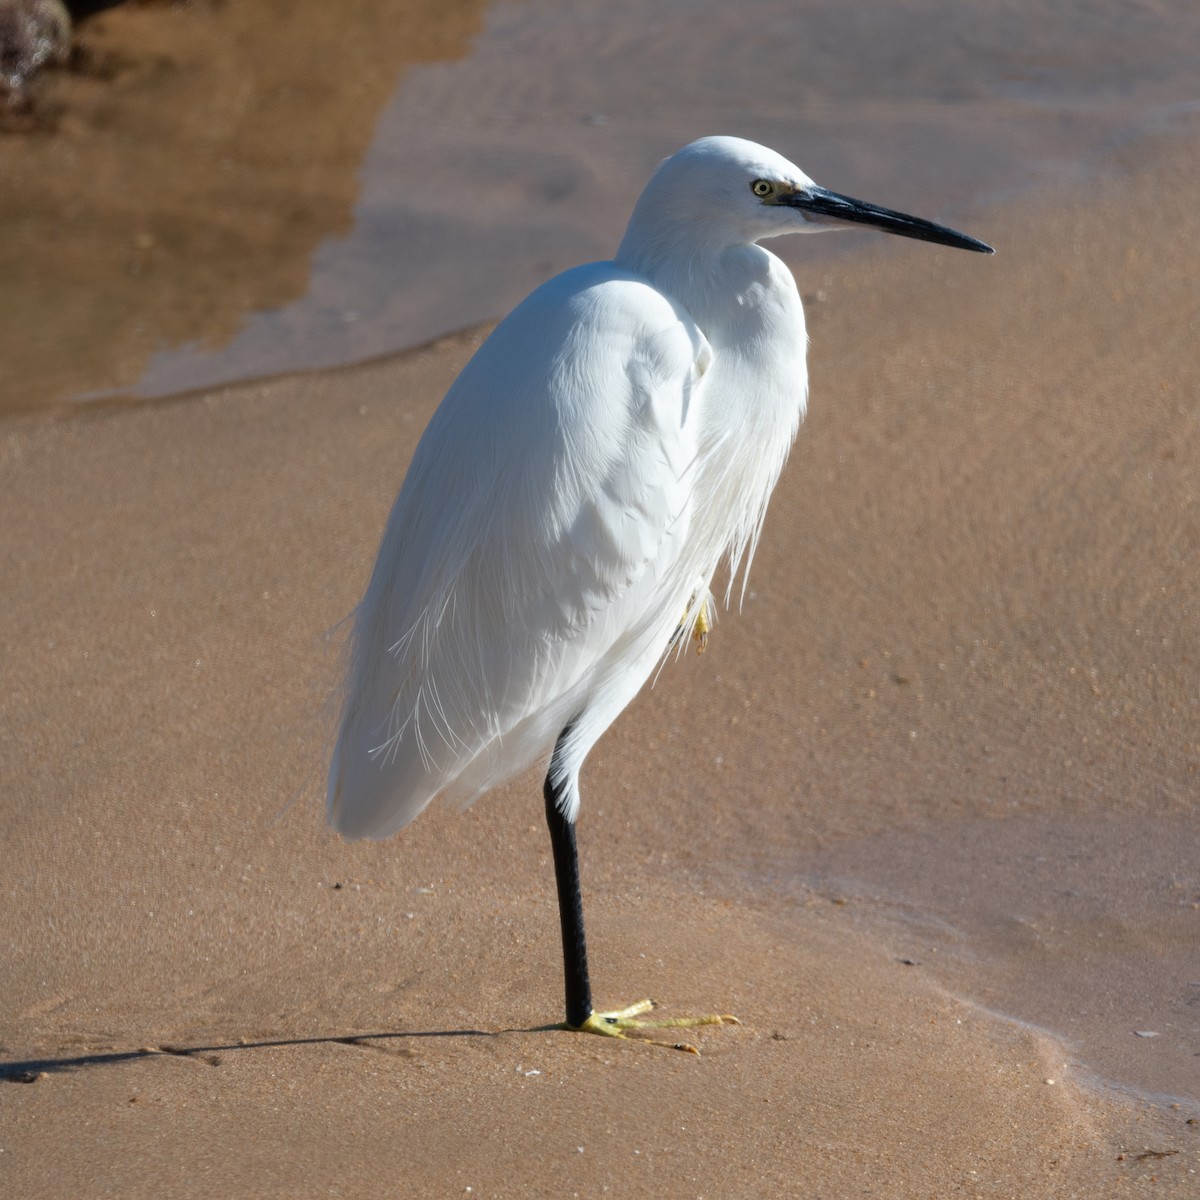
(923, 816)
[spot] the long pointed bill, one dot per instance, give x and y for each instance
(833, 209)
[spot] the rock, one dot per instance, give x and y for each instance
(33, 34)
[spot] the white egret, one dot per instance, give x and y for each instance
(615, 438)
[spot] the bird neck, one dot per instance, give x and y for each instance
(716, 282)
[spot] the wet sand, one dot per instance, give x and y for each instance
(931, 793)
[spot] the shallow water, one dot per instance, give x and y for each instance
(508, 153)
(489, 174)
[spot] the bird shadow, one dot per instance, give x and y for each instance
(30, 1070)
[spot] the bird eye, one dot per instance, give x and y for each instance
(762, 188)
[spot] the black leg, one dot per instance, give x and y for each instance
(570, 904)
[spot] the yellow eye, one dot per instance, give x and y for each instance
(762, 188)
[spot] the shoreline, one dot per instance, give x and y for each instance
(257, 224)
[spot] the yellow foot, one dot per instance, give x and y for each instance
(624, 1021)
(701, 624)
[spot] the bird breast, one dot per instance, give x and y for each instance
(752, 400)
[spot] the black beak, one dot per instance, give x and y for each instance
(834, 209)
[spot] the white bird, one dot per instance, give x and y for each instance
(615, 438)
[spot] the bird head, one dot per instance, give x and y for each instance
(725, 190)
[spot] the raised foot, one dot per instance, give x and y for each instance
(624, 1022)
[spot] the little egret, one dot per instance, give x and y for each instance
(615, 438)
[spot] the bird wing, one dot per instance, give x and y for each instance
(535, 535)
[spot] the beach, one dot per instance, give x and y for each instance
(923, 816)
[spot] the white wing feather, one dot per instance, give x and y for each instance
(516, 592)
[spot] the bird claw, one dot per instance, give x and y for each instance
(624, 1022)
(701, 625)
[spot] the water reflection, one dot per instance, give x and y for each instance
(190, 165)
